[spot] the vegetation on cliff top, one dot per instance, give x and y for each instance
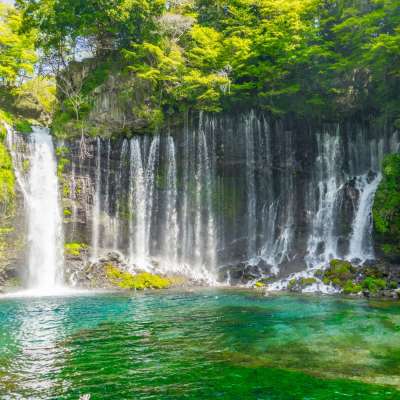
(311, 58)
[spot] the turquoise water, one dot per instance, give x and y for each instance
(205, 344)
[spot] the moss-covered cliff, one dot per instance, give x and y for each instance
(10, 236)
(387, 209)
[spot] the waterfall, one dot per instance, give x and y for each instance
(251, 187)
(116, 226)
(361, 247)
(142, 170)
(137, 204)
(171, 229)
(40, 188)
(236, 192)
(327, 183)
(107, 205)
(73, 190)
(96, 203)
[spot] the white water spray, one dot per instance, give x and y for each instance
(361, 238)
(40, 189)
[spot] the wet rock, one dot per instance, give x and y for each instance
(243, 273)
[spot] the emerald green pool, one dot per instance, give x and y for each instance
(201, 344)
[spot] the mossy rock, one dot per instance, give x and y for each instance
(307, 281)
(339, 272)
(140, 281)
(373, 285)
(351, 287)
(75, 249)
(298, 284)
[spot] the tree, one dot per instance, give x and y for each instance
(17, 53)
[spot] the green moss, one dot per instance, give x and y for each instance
(3, 132)
(62, 162)
(393, 285)
(307, 281)
(339, 272)
(373, 285)
(386, 210)
(291, 283)
(7, 182)
(75, 249)
(66, 190)
(351, 287)
(26, 164)
(141, 281)
(62, 151)
(23, 126)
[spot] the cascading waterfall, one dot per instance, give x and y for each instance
(40, 188)
(251, 188)
(137, 206)
(96, 203)
(323, 242)
(232, 191)
(361, 246)
(119, 196)
(171, 229)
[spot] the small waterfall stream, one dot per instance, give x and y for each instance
(361, 247)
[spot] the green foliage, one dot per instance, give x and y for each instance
(37, 94)
(386, 210)
(141, 281)
(373, 285)
(351, 287)
(23, 126)
(62, 163)
(75, 249)
(17, 54)
(7, 183)
(310, 58)
(62, 151)
(307, 281)
(339, 273)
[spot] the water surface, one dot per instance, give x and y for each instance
(206, 344)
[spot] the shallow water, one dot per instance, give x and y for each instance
(199, 345)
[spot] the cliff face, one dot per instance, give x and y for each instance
(229, 197)
(110, 102)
